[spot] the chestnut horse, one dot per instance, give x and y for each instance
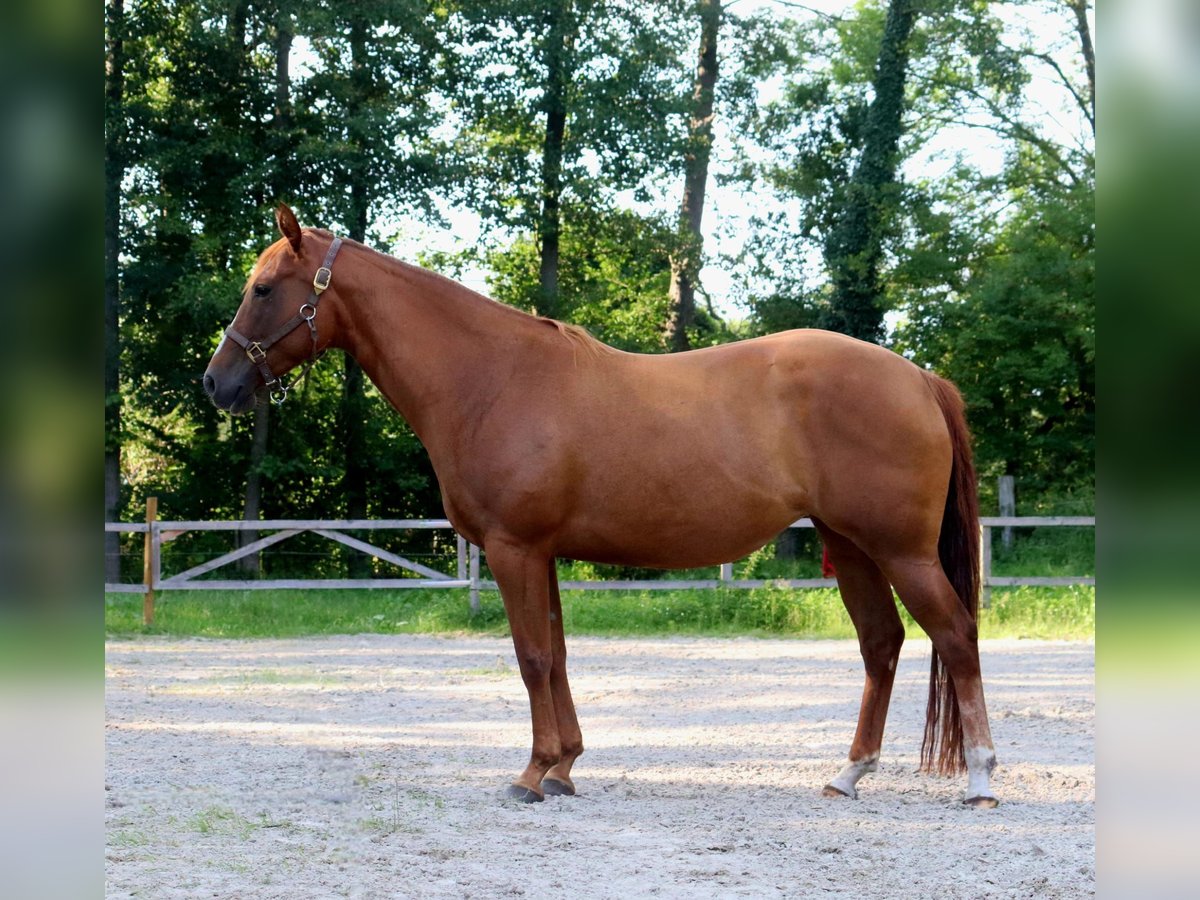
(548, 443)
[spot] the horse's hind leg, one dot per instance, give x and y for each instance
(868, 598)
(557, 781)
(928, 595)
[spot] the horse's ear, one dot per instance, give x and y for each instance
(288, 226)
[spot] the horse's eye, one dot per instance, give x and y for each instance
(261, 290)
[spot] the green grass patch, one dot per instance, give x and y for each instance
(1058, 613)
(1045, 552)
(1055, 613)
(221, 820)
(1063, 612)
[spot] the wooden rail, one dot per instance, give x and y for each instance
(158, 532)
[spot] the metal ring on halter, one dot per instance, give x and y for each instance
(312, 314)
(278, 395)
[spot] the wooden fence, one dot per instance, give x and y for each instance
(467, 574)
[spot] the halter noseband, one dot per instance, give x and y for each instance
(257, 350)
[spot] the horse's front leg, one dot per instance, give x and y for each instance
(558, 779)
(522, 575)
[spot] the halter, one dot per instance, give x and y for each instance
(257, 350)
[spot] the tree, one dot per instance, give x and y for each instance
(216, 142)
(569, 102)
(614, 274)
(858, 98)
(854, 247)
(1018, 337)
(685, 267)
(998, 281)
(384, 66)
(561, 32)
(971, 263)
(194, 115)
(114, 172)
(282, 184)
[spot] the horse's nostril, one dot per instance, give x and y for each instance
(210, 384)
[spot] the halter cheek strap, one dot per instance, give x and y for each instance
(257, 350)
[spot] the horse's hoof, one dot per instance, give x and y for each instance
(523, 794)
(555, 788)
(830, 791)
(982, 802)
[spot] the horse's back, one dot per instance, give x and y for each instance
(874, 441)
(719, 449)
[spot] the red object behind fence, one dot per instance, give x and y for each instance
(827, 570)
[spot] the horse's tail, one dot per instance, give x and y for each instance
(958, 550)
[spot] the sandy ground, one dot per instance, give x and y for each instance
(373, 766)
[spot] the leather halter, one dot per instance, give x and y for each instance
(257, 350)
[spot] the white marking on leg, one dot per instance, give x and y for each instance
(980, 762)
(854, 770)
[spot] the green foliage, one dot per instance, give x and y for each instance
(1045, 552)
(367, 118)
(1044, 613)
(862, 94)
(211, 147)
(613, 279)
(405, 107)
(627, 92)
(1017, 335)
(1065, 613)
(1057, 613)
(989, 278)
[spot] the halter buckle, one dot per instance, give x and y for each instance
(255, 347)
(321, 279)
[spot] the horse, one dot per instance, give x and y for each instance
(549, 444)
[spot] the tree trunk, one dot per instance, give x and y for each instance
(352, 410)
(1080, 8)
(685, 264)
(252, 507)
(558, 45)
(251, 566)
(281, 124)
(854, 248)
(787, 544)
(114, 171)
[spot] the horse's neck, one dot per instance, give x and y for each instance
(434, 348)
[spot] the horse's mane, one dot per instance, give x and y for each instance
(578, 337)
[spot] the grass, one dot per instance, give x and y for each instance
(222, 820)
(1045, 552)
(1065, 613)
(1062, 613)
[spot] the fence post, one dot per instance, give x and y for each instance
(474, 576)
(985, 565)
(726, 571)
(460, 558)
(1007, 494)
(148, 561)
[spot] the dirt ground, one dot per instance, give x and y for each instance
(373, 766)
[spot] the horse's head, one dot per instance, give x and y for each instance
(276, 327)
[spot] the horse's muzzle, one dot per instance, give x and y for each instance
(234, 395)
